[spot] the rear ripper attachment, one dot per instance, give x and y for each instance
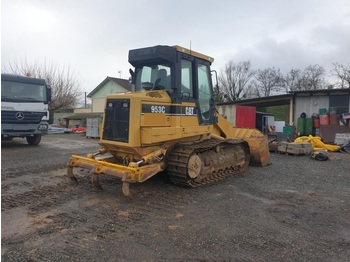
(131, 173)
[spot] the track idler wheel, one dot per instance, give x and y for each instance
(194, 166)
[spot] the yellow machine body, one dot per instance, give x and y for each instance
(153, 129)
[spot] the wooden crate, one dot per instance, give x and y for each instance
(295, 148)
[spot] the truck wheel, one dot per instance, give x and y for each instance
(34, 140)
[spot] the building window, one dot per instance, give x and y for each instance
(340, 103)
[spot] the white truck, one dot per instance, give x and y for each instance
(24, 108)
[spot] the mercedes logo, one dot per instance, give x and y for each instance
(19, 115)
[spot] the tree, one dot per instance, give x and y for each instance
(219, 96)
(292, 80)
(342, 73)
(267, 80)
(235, 79)
(65, 87)
(311, 78)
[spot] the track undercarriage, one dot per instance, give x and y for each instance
(197, 164)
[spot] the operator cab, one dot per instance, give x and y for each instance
(184, 74)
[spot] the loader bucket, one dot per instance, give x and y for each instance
(258, 145)
(258, 142)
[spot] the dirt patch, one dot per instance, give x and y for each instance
(296, 209)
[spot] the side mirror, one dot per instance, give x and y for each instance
(216, 76)
(48, 92)
(132, 73)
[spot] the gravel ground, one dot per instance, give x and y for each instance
(296, 209)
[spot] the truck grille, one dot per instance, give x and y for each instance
(21, 117)
(117, 117)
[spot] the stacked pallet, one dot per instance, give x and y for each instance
(295, 148)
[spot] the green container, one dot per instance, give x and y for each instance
(308, 126)
(323, 111)
(288, 130)
(301, 126)
(333, 110)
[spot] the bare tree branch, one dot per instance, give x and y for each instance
(65, 86)
(235, 78)
(268, 80)
(342, 73)
(311, 78)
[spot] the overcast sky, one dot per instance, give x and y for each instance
(93, 37)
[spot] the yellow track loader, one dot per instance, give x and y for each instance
(169, 122)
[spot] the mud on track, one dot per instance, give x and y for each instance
(297, 209)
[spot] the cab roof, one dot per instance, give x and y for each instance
(161, 52)
(22, 79)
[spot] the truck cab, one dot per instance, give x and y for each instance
(24, 108)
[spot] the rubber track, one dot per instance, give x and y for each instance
(180, 154)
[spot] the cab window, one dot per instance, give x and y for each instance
(204, 91)
(186, 79)
(154, 77)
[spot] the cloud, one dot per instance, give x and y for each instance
(323, 45)
(94, 37)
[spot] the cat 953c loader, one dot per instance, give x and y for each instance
(169, 122)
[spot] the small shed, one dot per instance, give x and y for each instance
(330, 105)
